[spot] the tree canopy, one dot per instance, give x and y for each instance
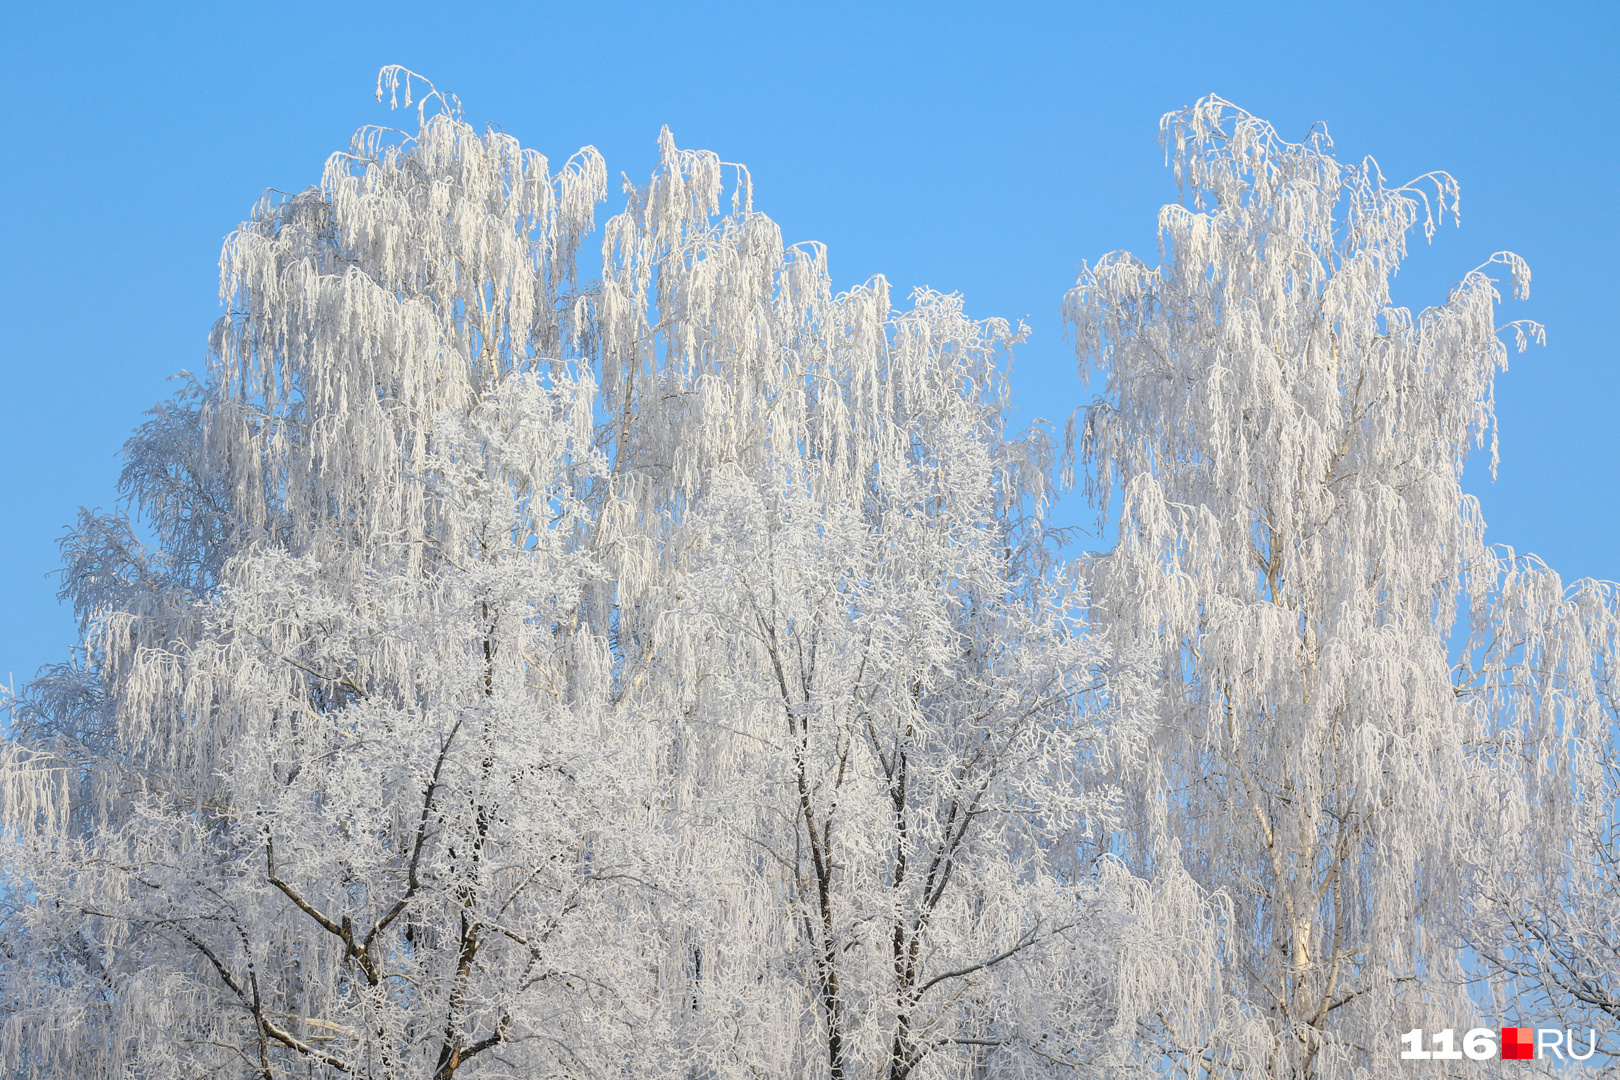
(496, 672)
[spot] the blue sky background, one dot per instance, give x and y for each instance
(971, 148)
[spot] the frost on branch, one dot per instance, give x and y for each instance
(1538, 678)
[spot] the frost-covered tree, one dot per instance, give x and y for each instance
(323, 793)
(1286, 446)
(665, 675)
(836, 605)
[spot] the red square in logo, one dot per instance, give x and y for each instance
(1518, 1043)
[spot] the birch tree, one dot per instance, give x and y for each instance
(324, 793)
(1286, 445)
(837, 613)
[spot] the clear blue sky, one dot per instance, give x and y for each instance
(984, 149)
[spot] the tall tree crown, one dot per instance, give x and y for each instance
(1287, 445)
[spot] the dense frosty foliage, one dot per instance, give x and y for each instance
(670, 674)
(1294, 545)
(1540, 679)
